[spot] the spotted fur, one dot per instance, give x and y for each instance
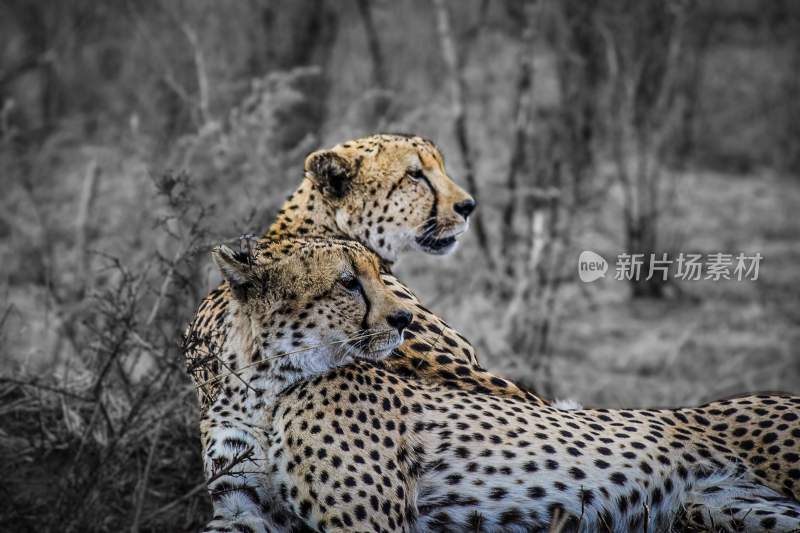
(361, 447)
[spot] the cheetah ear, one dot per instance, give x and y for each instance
(330, 172)
(235, 268)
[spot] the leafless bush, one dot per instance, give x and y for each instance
(110, 441)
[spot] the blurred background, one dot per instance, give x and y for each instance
(135, 135)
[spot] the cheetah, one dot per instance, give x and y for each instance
(392, 194)
(344, 442)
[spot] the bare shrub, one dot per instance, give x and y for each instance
(108, 439)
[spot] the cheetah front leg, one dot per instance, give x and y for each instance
(234, 462)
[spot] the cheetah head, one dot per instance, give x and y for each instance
(392, 193)
(321, 300)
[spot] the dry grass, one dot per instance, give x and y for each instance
(107, 440)
(100, 461)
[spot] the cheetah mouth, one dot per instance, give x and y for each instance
(436, 245)
(435, 241)
(378, 347)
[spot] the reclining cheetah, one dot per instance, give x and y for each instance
(391, 193)
(363, 448)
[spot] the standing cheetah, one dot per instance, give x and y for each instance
(363, 448)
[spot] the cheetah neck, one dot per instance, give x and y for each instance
(306, 213)
(270, 357)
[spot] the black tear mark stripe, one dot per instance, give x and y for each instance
(434, 208)
(395, 186)
(368, 305)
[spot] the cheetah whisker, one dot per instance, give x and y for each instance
(425, 222)
(293, 352)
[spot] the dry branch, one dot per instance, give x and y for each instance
(88, 195)
(201, 72)
(522, 115)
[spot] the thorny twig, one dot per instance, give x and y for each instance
(140, 495)
(237, 459)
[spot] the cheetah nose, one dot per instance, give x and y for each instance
(400, 320)
(465, 208)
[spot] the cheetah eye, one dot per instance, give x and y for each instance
(349, 281)
(415, 174)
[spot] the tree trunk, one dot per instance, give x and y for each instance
(379, 76)
(457, 89)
